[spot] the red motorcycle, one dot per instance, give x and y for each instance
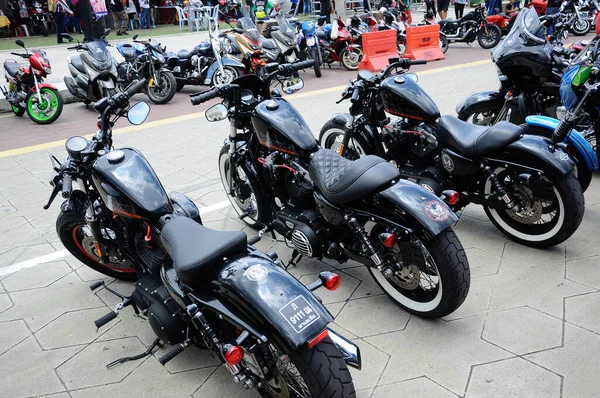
(504, 21)
(539, 5)
(343, 49)
(26, 88)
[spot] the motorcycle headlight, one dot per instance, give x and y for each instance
(47, 69)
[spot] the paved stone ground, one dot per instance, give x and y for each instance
(529, 327)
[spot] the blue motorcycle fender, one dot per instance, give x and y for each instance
(215, 65)
(281, 307)
(413, 202)
(574, 138)
(479, 102)
(537, 152)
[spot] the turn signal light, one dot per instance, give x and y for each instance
(234, 355)
(318, 338)
(452, 197)
(333, 281)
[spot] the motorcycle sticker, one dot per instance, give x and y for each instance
(437, 211)
(299, 313)
(256, 273)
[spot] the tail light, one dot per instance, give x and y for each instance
(332, 281)
(318, 338)
(234, 355)
(388, 240)
(451, 197)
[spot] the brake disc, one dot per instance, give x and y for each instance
(408, 277)
(532, 210)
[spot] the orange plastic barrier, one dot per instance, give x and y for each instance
(378, 47)
(423, 42)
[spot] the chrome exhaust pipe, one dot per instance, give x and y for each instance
(350, 351)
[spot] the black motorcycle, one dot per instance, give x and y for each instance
(195, 286)
(145, 60)
(580, 22)
(530, 69)
(470, 27)
(278, 178)
(525, 183)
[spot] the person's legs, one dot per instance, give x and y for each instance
(155, 17)
(121, 20)
(59, 18)
(144, 18)
(459, 10)
(551, 11)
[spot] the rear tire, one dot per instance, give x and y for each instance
(17, 110)
(180, 85)
(322, 370)
(570, 206)
(454, 278)
(68, 227)
(491, 39)
(351, 59)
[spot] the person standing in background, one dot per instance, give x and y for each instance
(443, 8)
(58, 9)
(307, 5)
(131, 11)
(155, 12)
(552, 8)
(459, 8)
(145, 14)
(325, 12)
(76, 15)
(117, 9)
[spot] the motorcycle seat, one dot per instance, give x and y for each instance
(78, 63)
(342, 181)
(11, 67)
(472, 140)
(184, 54)
(196, 250)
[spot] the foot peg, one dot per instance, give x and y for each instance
(127, 300)
(105, 319)
(176, 350)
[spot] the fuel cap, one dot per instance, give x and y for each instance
(115, 156)
(272, 105)
(399, 79)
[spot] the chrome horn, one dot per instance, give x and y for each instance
(350, 351)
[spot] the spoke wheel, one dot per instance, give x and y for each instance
(351, 57)
(484, 118)
(162, 91)
(228, 75)
(332, 137)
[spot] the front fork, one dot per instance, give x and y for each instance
(231, 153)
(347, 134)
(37, 88)
(93, 224)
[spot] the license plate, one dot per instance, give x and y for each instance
(299, 313)
(310, 41)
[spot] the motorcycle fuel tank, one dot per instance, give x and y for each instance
(129, 186)
(279, 126)
(403, 97)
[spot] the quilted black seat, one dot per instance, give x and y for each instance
(11, 68)
(184, 54)
(196, 250)
(342, 181)
(472, 140)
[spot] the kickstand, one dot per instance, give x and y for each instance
(136, 357)
(296, 257)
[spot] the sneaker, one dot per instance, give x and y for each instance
(153, 26)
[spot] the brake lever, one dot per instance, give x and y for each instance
(57, 186)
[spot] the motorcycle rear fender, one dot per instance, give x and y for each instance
(287, 313)
(574, 138)
(42, 85)
(404, 204)
(536, 152)
(479, 102)
(215, 65)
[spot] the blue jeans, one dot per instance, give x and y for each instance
(145, 18)
(307, 6)
(551, 11)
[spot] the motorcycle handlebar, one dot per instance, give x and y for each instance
(355, 94)
(67, 185)
(289, 68)
(214, 92)
(135, 87)
(17, 54)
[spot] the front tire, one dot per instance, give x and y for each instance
(46, 111)
(164, 91)
(320, 370)
(486, 116)
(73, 232)
(449, 259)
(444, 43)
(248, 196)
(581, 28)
(229, 74)
(534, 225)
(332, 136)
(316, 56)
(491, 38)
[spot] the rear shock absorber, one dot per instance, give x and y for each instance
(355, 227)
(499, 187)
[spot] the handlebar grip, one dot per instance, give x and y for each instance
(72, 48)
(418, 62)
(135, 87)
(17, 54)
(210, 94)
(105, 319)
(67, 186)
(355, 94)
(176, 350)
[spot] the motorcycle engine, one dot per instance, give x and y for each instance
(153, 299)
(305, 230)
(196, 62)
(470, 28)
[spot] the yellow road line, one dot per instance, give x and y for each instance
(183, 118)
(3, 116)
